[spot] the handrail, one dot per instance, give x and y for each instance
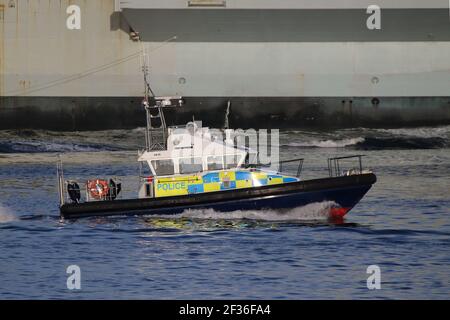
(334, 166)
(60, 181)
(179, 178)
(299, 168)
(280, 163)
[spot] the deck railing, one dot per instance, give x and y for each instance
(283, 167)
(334, 166)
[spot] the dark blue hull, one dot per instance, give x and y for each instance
(344, 198)
(345, 192)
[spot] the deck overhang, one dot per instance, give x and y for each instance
(278, 4)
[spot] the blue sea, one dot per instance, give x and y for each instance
(402, 225)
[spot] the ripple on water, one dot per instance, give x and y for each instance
(402, 225)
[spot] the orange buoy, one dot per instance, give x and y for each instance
(98, 189)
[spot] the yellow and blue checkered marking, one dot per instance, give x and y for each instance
(217, 181)
(195, 188)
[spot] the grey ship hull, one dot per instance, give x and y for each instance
(289, 64)
(102, 113)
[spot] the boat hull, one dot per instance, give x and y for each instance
(345, 192)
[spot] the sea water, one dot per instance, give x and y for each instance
(402, 225)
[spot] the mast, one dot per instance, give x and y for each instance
(156, 131)
(60, 177)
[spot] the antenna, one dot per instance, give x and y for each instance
(145, 70)
(226, 124)
(145, 64)
(156, 133)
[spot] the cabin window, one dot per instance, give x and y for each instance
(163, 167)
(215, 163)
(191, 165)
(231, 161)
(145, 169)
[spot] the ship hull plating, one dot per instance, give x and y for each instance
(281, 64)
(84, 113)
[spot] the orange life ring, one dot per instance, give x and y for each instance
(98, 189)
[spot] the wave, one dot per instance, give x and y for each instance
(373, 143)
(420, 132)
(327, 143)
(6, 215)
(376, 143)
(368, 139)
(41, 141)
(38, 147)
(313, 211)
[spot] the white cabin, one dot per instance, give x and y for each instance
(193, 149)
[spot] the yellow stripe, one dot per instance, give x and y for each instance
(190, 179)
(170, 189)
(259, 175)
(210, 187)
(243, 184)
(230, 175)
(178, 185)
(275, 181)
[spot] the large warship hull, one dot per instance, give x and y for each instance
(259, 63)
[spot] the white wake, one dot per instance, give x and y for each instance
(313, 211)
(327, 143)
(6, 215)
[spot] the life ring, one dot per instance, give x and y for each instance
(98, 189)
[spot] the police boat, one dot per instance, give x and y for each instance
(190, 167)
